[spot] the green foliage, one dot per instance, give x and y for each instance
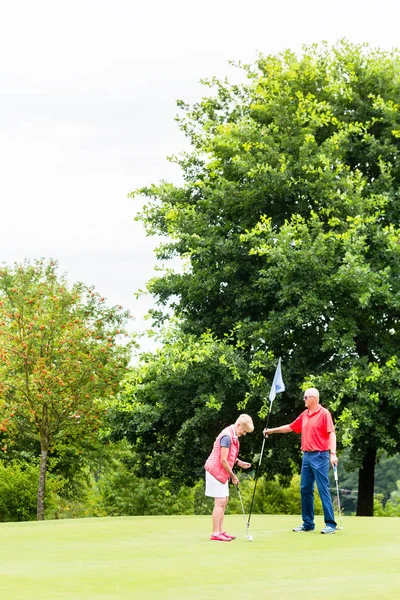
(59, 359)
(391, 508)
(18, 491)
(386, 475)
(176, 401)
(288, 222)
(395, 495)
(203, 505)
(123, 494)
(271, 497)
(59, 354)
(86, 502)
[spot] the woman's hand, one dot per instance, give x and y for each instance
(243, 465)
(235, 480)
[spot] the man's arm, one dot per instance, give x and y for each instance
(281, 429)
(332, 447)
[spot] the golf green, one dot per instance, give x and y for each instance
(167, 558)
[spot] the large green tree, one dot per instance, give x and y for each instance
(172, 404)
(59, 358)
(288, 223)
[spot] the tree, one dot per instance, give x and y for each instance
(386, 475)
(288, 221)
(172, 405)
(59, 359)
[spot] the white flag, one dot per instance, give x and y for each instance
(277, 384)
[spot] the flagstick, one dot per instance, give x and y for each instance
(257, 468)
(277, 387)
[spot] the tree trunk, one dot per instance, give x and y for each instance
(366, 479)
(42, 485)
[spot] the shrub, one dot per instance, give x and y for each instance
(87, 503)
(19, 489)
(124, 494)
(390, 509)
(271, 497)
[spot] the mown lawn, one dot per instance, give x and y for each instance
(167, 558)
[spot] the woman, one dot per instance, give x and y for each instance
(224, 455)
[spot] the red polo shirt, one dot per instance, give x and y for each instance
(314, 428)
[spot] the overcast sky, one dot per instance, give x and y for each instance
(88, 100)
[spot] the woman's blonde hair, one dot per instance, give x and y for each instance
(247, 421)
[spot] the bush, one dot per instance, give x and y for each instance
(392, 506)
(19, 489)
(271, 497)
(123, 494)
(203, 505)
(87, 503)
(109, 488)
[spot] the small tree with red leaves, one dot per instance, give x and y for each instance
(62, 353)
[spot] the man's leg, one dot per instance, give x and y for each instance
(218, 514)
(322, 479)
(307, 493)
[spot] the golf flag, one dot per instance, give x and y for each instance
(277, 384)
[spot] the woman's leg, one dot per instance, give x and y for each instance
(218, 514)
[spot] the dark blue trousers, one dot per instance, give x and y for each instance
(315, 468)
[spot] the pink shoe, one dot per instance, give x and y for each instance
(220, 537)
(228, 535)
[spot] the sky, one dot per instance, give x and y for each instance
(88, 104)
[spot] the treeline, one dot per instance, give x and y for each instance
(287, 229)
(287, 224)
(108, 488)
(386, 491)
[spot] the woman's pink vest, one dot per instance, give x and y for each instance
(213, 464)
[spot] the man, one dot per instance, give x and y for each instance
(318, 440)
(219, 465)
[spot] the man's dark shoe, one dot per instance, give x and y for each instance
(301, 528)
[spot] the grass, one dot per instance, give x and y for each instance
(165, 558)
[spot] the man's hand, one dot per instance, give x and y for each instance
(334, 459)
(266, 432)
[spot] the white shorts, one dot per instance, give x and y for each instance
(215, 488)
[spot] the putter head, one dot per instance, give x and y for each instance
(249, 538)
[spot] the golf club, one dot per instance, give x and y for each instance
(249, 538)
(257, 470)
(335, 474)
